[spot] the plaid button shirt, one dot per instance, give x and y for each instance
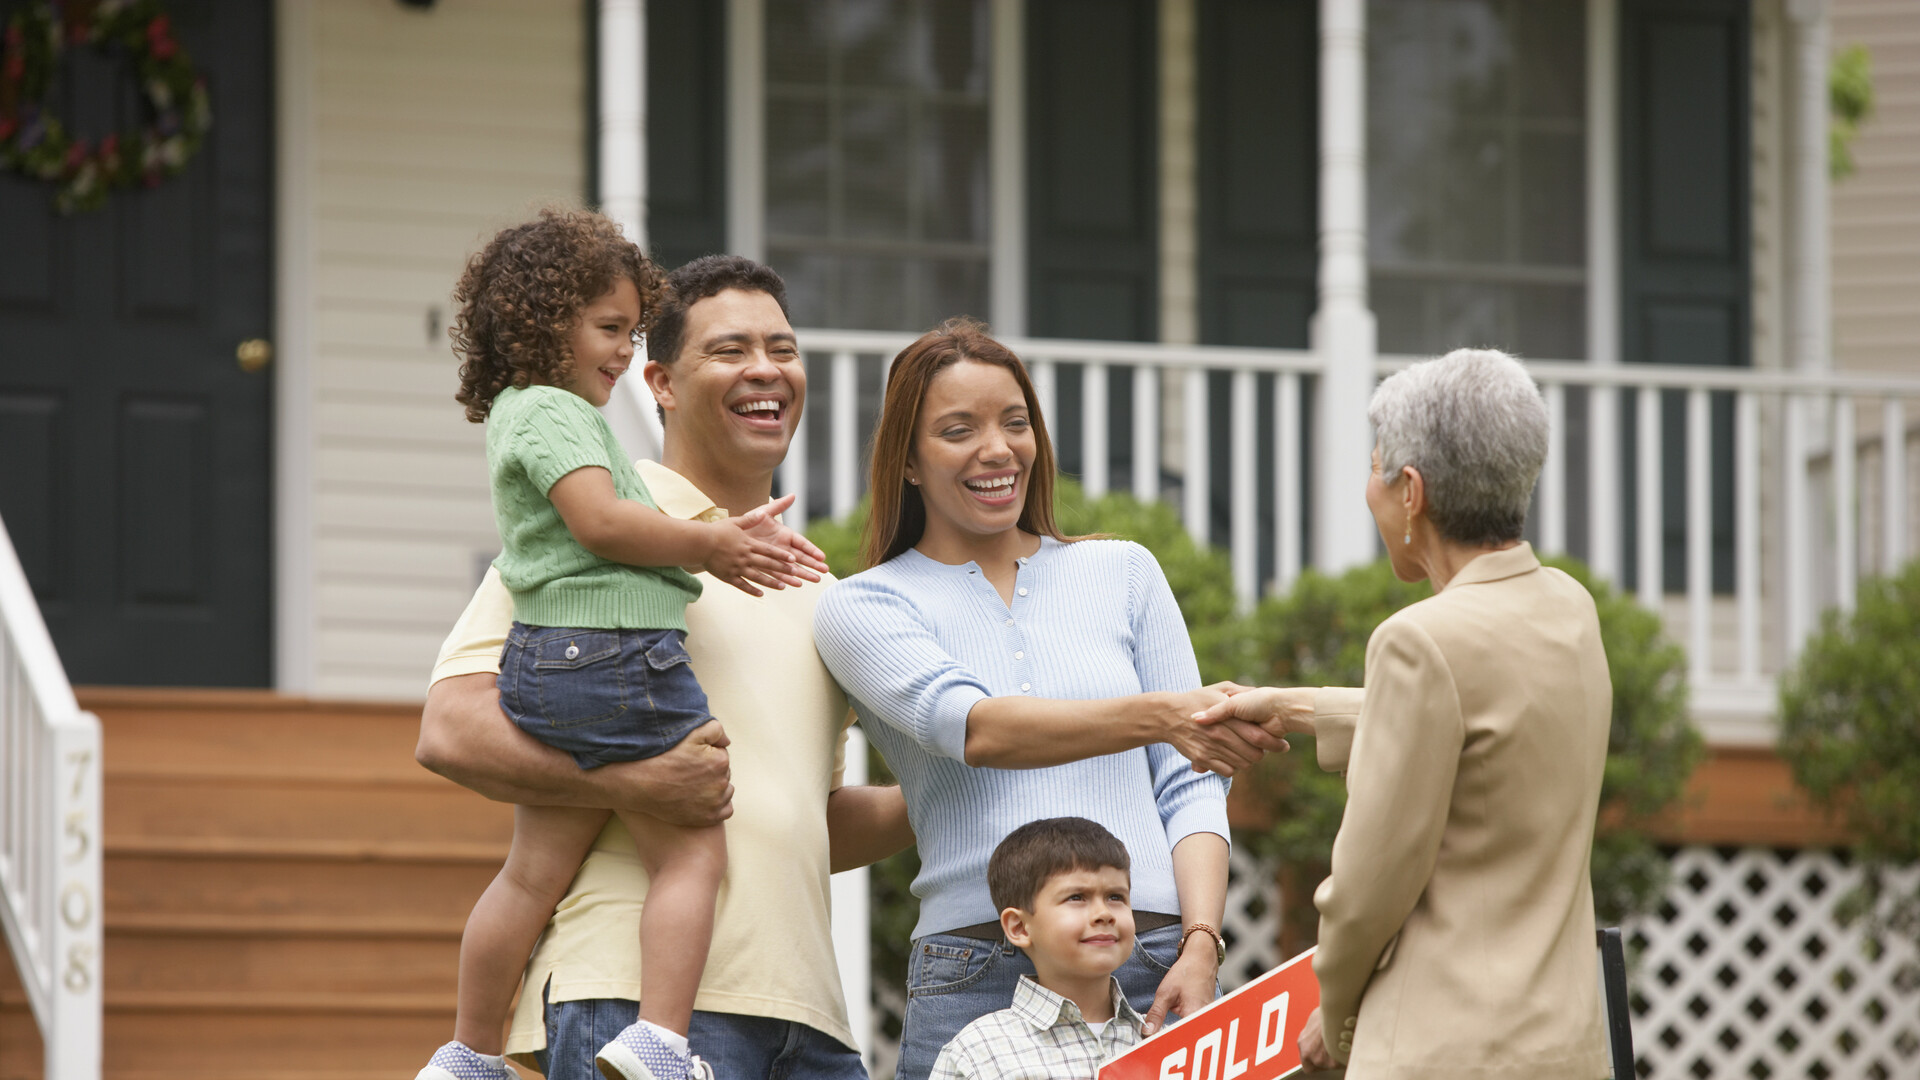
(1041, 1037)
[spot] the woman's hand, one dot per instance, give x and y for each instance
(1278, 710)
(1188, 985)
(1221, 747)
(1313, 1045)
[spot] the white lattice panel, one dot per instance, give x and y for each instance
(1744, 972)
(1252, 923)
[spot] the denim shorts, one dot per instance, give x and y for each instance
(601, 695)
(953, 981)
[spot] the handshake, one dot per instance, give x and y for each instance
(1227, 727)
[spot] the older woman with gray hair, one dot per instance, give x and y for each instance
(1456, 925)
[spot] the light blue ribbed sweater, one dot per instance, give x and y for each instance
(916, 643)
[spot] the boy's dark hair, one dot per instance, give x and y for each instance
(521, 297)
(708, 275)
(1038, 850)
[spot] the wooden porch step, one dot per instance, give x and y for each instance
(163, 809)
(225, 886)
(284, 890)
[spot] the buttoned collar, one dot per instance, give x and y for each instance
(1044, 1009)
(676, 495)
(1497, 565)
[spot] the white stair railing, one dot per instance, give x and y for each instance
(50, 833)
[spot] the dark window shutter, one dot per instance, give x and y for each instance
(686, 129)
(1093, 193)
(1685, 252)
(1259, 171)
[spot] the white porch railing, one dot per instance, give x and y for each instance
(1801, 534)
(50, 833)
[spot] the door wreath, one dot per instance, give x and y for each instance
(34, 142)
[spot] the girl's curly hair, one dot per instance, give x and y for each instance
(521, 297)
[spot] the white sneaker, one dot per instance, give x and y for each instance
(638, 1054)
(455, 1061)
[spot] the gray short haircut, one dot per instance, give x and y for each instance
(1473, 424)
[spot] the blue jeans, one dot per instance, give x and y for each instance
(953, 981)
(738, 1047)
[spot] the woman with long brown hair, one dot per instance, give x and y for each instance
(1009, 672)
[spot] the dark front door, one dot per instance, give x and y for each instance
(134, 450)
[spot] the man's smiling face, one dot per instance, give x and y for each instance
(735, 392)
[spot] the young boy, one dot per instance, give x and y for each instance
(1061, 886)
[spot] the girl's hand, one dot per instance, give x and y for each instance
(744, 561)
(809, 562)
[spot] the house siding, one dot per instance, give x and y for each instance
(428, 131)
(1876, 211)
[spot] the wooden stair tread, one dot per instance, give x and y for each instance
(295, 885)
(247, 847)
(188, 924)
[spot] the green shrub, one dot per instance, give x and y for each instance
(1850, 727)
(1317, 634)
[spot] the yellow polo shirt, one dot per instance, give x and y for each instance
(772, 951)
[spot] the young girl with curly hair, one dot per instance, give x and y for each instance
(596, 663)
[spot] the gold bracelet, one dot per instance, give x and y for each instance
(1219, 943)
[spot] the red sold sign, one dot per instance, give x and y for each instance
(1251, 1034)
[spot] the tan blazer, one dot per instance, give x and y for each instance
(1456, 927)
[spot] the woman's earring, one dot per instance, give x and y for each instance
(912, 481)
(1408, 539)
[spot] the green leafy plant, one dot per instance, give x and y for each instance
(1316, 635)
(1850, 100)
(1850, 727)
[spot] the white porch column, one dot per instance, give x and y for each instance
(852, 925)
(1809, 308)
(1343, 328)
(622, 183)
(622, 179)
(1809, 299)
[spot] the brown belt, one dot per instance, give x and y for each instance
(1143, 921)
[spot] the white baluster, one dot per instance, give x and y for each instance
(1893, 472)
(1699, 537)
(1287, 501)
(1846, 533)
(1746, 530)
(1245, 508)
(1799, 526)
(1043, 388)
(1605, 508)
(793, 475)
(1093, 429)
(1652, 579)
(846, 433)
(1146, 432)
(1553, 475)
(1195, 489)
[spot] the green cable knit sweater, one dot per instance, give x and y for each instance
(536, 436)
